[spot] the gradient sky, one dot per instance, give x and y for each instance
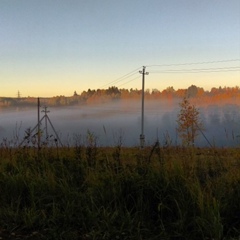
(56, 47)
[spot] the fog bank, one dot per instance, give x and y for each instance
(122, 119)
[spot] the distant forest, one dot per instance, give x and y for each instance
(216, 96)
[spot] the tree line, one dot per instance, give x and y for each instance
(215, 95)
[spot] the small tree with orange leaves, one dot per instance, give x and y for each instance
(189, 123)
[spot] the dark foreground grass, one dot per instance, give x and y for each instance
(119, 193)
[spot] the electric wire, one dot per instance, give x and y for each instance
(129, 81)
(197, 70)
(120, 80)
(125, 76)
(201, 69)
(194, 63)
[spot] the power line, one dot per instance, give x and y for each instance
(206, 70)
(125, 76)
(193, 69)
(129, 81)
(194, 63)
(199, 70)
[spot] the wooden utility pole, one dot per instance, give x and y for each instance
(142, 136)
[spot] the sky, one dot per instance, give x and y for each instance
(52, 48)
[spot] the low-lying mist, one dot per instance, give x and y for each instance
(111, 122)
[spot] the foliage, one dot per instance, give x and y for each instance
(189, 123)
(228, 95)
(128, 193)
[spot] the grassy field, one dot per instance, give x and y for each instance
(88, 192)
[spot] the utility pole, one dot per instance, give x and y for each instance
(45, 111)
(38, 125)
(142, 136)
(57, 139)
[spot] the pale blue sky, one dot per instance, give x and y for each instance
(54, 47)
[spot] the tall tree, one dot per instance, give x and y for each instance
(192, 91)
(189, 123)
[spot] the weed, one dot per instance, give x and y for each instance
(119, 193)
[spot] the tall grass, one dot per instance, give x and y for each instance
(88, 192)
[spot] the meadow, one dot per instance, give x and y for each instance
(89, 192)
